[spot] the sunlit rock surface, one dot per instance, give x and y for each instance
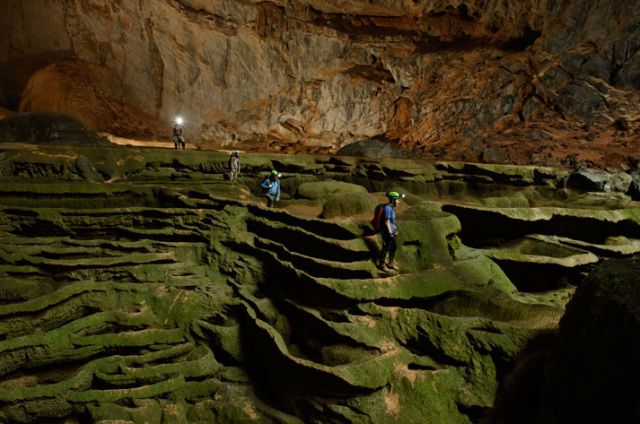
(140, 286)
(522, 82)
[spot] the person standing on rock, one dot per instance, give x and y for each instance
(234, 165)
(178, 134)
(271, 187)
(389, 233)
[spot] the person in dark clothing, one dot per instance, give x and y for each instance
(234, 165)
(178, 135)
(271, 187)
(389, 233)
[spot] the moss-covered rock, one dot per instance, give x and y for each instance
(139, 285)
(506, 202)
(348, 204)
(325, 189)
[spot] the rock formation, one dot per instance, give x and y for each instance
(139, 285)
(592, 367)
(585, 372)
(529, 81)
(47, 128)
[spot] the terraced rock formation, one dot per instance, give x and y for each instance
(142, 286)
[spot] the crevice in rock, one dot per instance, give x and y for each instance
(482, 228)
(201, 16)
(546, 277)
(421, 367)
(363, 25)
(474, 413)
(422, 345)
(372, 73)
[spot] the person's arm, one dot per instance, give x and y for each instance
(265, 184)
(278, 191)
(387, 220)
(387, 223)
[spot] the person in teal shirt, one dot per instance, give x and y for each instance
(271, 187)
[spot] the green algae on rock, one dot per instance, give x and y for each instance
(164, 293)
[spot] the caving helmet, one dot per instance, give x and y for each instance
(394, 195)
(275, 173)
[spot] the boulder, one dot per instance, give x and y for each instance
(634, 187)
(48, 128)
(348, 204)
(589, 179)
(325, 189)
(592, 372)
(620, 182)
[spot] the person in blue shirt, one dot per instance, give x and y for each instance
(389, 232)
(271, 188)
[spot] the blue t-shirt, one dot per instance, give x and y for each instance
(271, 187)
(389, 215)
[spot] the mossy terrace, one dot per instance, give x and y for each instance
(140, 285)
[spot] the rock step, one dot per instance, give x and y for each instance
(359, 377)
(619, 246)
(91, 262)
(85, 374)
(75, 341)
(329, 229)
(319, 267)
(536, 264)
(309, 244)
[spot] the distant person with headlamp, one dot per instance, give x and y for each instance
(178, 134)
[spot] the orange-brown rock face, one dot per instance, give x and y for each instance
(528, 81)
(91, 93)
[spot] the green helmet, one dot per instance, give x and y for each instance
(275, 173)
(394, 195)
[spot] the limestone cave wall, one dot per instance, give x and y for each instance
(477, 79)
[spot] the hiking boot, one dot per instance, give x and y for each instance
(393, 266)
(384, 268)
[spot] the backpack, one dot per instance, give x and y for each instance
(378, 213)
